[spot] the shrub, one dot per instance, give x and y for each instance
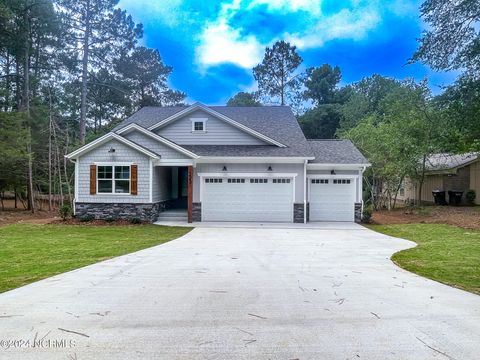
(135, 220)
(367, 214)
(471, 195)
(65, 212)
(87, 218)
(110, 219)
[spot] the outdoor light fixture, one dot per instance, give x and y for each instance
(269, 168)
(111, 150)
(332, 172)
(224, 168)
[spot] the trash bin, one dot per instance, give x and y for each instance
(439, 197)
(455, 197)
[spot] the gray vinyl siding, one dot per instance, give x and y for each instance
(218, 132)
(166, 152)
(162, 183)
(251, 168)
(123, 153)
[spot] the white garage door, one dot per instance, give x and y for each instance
(247, 199)
(332, 199)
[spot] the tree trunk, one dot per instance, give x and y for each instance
(83, 105)
(421, 181)
(26, 108)
(50, 154)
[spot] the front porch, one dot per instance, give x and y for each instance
(172, 187)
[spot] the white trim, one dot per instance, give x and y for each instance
(112, 163)
(174, 162)
(251, 160)
(317, 166)
(113, 193)
(77, 175)
(158, 138)
(329, 176)
(204, 126)
(150, 188)
(305, 192)
(248, 175)
(105, 138)
(212, 112)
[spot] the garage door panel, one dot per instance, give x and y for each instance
(331, 200)
(247, 201)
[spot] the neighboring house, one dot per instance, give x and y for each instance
(218, 163)
(448, 173)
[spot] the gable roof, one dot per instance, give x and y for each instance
(445, 161)
(336, 152)
(157, 137)
(107, 137)
(218, 115)
(275, 122)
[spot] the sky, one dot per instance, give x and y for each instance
(213, 45)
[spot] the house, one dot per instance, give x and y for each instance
(447, 172)
(218, 163)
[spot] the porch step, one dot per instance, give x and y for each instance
(173, 215)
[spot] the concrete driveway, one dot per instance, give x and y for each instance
(245, 293)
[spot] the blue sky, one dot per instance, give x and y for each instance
(213, 45)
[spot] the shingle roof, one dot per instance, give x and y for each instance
(276, 122)
(444, 161)
(336, 152)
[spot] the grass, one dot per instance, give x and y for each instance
(448, 254)
(32, 252)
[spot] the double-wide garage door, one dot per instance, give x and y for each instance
(247, 199)
(332, 199)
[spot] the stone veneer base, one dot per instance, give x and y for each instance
(196, 212)
(125, 211)
(298, 213)
(358, 212)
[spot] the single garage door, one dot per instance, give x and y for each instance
(247, 199)
(332, 199)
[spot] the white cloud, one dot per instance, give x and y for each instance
(169, 12)
(220, 43)
(345, 24)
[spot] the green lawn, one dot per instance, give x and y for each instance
(445, 253)
(32, 252)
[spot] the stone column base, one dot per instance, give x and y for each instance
(196, 212)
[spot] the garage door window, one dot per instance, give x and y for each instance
(213, 181)
(341, 181)
(258, 181)
(281, 181)
(319, 181)
(236, 181)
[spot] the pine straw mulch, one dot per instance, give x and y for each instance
(461, 216)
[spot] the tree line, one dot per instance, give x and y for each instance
(69, 71)
(397, 124)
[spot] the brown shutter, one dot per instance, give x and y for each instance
(93, 179)
(133, 179)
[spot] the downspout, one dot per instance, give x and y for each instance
(361, 190)
(305, 184)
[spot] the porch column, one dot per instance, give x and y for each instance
(190, 193)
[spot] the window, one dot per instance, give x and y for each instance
(213, 181)
(199, 124)
(281, 181)
(113, 180)
(236, 181)
(258, 181)
(319, 181)
(341, 181)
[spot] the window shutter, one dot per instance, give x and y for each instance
(133, 179)
(93, 179)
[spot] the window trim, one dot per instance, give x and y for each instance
(113, 165)
(199, 120)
